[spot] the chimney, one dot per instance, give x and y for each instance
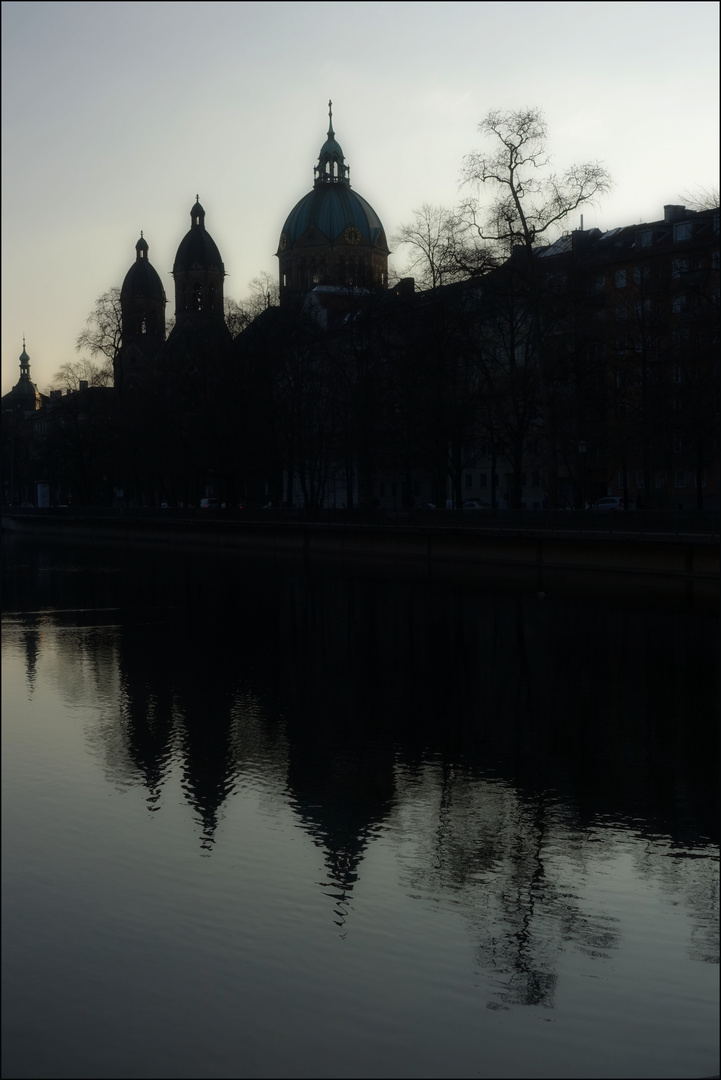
(673, 213)
(581, 241)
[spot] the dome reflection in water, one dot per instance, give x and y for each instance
(265, 821)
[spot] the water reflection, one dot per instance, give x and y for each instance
(505, 744)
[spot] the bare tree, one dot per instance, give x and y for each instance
(264, 293)
(441, 248)
(69, 376)
(700, 197)
(531, 200)
(236, 318)
(102, 335)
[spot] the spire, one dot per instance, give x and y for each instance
(24, 364)
(331, 167)
(197, 214)
(141, 248)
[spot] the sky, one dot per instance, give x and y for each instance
(116, 114)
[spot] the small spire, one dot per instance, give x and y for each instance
(331, 133)
(197, 214)
(24, 363)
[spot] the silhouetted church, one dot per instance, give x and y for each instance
(24, 398)
(332, 239)
(198, 274)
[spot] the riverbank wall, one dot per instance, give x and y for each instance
(540, 559)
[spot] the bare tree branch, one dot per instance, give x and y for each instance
(700, 197)
(530, 200)
(69, 376)
(440, 247)
(102, 335)
(264, 293)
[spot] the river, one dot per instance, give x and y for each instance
(266, 820)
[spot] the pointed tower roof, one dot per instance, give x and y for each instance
(331, 167)
(197, 249)
(142, 279)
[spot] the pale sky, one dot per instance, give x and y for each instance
(116, 114)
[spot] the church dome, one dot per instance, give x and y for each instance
(331, 210)
(24, 396)
(197, 250)
(142, 279)
(142, 306)
(332, 236)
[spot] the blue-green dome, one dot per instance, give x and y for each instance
(331, 209)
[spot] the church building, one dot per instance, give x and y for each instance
(332, 237)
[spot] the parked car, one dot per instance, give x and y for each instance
(612, 502)
(475, 504)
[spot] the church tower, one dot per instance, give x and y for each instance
(24, 398)
(142, 313)
(198, 272)
(332, 237)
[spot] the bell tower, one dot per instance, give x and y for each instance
(198, 272)
(142, 314)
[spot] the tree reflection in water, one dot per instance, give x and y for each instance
(492, 736)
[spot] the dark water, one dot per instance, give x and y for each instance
(259, 821)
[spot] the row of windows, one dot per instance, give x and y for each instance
(681, 478)
(682, 230)
(641, 275)
(341, 273)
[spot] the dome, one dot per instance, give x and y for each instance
(331, 210)
(25, 395)
(197, 249)
(142, 305)
(27, 391)
(142, 279)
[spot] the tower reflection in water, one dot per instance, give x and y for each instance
(499, 744)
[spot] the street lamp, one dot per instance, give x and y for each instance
(582, 448)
